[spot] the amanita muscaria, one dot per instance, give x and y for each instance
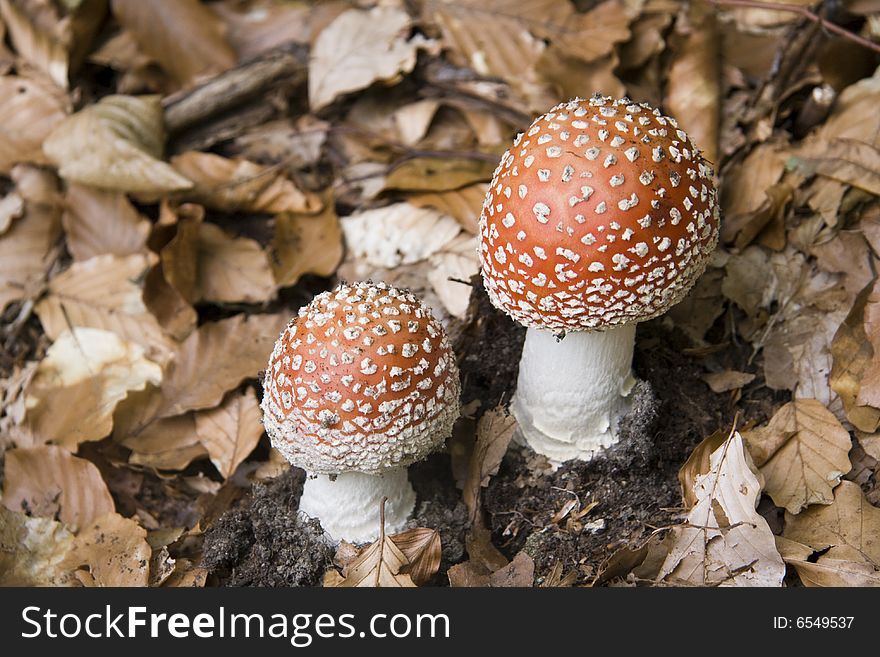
(362, 383)
(601, 215)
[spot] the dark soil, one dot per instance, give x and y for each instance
(263, 542)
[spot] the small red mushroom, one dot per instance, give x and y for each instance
(601, 215)
(362, 383)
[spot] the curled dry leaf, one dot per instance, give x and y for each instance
(744, 190)
(184, 36)
(395, 234)
(115, 144)
(494, 432)
(33, 550)
(381, 564)
(239, 185)
(835, 545)
(29, 110)
(422, 549)
(26, 252)
(802, 453)
(174, 313)
(306, 244)
(727, 380)
(85, 373)
(847, 161)
(357, 49)
(215, 359)
(697, 465)
(112, 551)
(725, 541)
(231, 431)
(49, 481)
(103, 293)
(99, 222)
(853, 355)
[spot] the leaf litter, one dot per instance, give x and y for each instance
(174, 187)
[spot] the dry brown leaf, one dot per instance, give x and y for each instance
(85, 373)
(725, 541)
(117, 144)
(869, 392)
(33, 550)
(26, 252)
(422, 549)
(802, 453)
(49, 481)
(184, 36)
(497, 37)
(103, 293)
(239, 185)
(697, 465)
(11, 207)
(99, 222)
(381, 564)
(457, 260)
(413, 120)
(494, 432)
(853, 355)
(845, 536)
(727, 380)
(430, 174)
(847, 161)
(462, 204)
(180, 258)
(357, 49)
(231, 269)
(486, 566)
(694, 85)
(743, 192)
(29, 110)
(186, 575)
(255, 27)
(395, 235)
(570, 76)
(231, 431)
(112, 551)
(215, 359)
(592, 35)
(306, 244)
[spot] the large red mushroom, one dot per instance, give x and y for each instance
(601, 215)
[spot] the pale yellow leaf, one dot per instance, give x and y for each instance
(357, 49)
(115, 144)
(33, 550)
(802, 452)
(103, 293)
(725, 541)
(85, 373)
(395, 234)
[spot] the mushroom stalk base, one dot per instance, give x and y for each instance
(571, 392)
(348, 507)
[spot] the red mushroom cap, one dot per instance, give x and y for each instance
(602, 213)
(362, 380)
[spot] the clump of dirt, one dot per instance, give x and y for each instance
(439, 506)
(264, 542)
(634, 484)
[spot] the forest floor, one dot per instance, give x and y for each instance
(178, 179)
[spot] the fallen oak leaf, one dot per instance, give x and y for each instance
(231, 431)
(494, 433)
(49, 481)
(802, 452)
(117, 144)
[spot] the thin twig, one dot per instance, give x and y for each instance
(803, 12)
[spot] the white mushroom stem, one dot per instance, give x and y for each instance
(572, 392)
(348, 507)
